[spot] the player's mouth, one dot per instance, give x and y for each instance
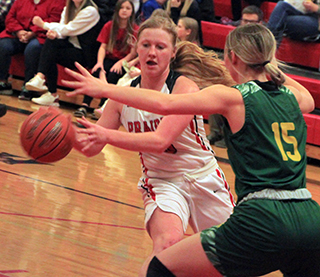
(151, 63)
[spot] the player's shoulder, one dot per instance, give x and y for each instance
(186, 84)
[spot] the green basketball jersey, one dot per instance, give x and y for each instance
(269, 150)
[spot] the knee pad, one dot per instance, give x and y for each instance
(158, 269)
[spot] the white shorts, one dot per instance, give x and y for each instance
(203, 200)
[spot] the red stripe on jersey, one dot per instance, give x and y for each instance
(149, 188)
(226, 185)
(197, 135)
(144, 169)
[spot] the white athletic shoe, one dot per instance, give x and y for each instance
(47, 99)
(36, 84)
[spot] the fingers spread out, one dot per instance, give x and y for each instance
(83, 121)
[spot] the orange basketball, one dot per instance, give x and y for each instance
(47, 135)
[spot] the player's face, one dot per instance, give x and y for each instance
(155, 49)
(125, 10)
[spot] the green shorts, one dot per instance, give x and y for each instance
(265, 235)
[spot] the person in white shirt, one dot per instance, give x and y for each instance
(71, 40)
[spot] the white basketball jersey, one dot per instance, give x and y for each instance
(188, 153)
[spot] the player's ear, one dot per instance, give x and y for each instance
(233, 57)
(174, 53)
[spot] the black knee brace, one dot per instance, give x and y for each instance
(158, 269)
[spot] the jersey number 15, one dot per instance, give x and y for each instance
(281, 136)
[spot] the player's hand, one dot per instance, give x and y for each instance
(85, 83)
(91, 135)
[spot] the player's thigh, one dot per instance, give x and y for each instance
(165, 229)
(188, 259)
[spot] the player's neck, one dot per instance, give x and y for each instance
(153, 82)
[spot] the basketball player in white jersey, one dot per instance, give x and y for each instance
(181, 181)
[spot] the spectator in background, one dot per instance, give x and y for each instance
(250, 14)
(22, 36)
(181, 8)
(297, 22)
(116, 47)
(5, 6)
(188, 30)
(237, 7)
(149, 6)
(70, 40)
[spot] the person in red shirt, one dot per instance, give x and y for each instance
(116, 38)
(22, 36)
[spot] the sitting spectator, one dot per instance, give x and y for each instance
(236, 6)
(295, 22)
(181, 8)
(250, 14)
(5, 6)
(69, 41)
(151, 5)
(116, 47)
(188, 30)
(21, 36)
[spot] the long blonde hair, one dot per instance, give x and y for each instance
(186, 5)
(255, 45)
(202, 67)
(72, 10)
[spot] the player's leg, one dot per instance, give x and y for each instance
(184, 259)
(165, 229)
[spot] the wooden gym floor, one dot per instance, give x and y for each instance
(80, 216)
